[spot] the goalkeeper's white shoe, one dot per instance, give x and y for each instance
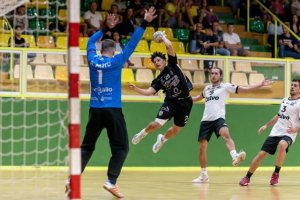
(239, 158)
(113, 189)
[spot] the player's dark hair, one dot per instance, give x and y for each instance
(158, 54)
(296, 80)
(107, 44)
(220, 70)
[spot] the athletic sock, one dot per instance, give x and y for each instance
(249, 174)
(165, 139)
(204, 171)
(277, 169)
(144, 132)
(233, 154)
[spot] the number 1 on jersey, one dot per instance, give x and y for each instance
(100, 76)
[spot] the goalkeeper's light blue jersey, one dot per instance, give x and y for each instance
(105, 72)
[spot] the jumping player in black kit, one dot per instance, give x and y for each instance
(178, 102)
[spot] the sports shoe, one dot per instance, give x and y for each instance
(240, 157)
(113, 189)
(244, 181)
(203, 178)
(274, 179)
(159, 143)
(67, 187)
(138, 137)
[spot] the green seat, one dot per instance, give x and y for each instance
(32, 25)
(31, 12)
(257, 25)
(124, 41)
(249, 41)
(182, 34)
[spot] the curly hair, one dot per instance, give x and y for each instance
(158, 54)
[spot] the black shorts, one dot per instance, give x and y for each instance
(208, 64)
(208, 127)
(111, 119)
(180, 109)
(271, 143)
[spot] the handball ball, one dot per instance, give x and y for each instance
(158, 35)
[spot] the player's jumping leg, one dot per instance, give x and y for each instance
(236, 157)
(152, 126)
(161, 139)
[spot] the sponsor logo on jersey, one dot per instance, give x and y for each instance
(103, 90)
(282, 116)
(211, 98)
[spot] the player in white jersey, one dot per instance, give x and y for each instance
(214, 118)
(283, 134)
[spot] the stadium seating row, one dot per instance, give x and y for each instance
(45, 72)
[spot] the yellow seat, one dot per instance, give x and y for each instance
(188, 74)
(84, 74)
(160, 47)
(244, 67)
(127, 75)
(142, 46)
(296, 68)
(189, 64)
(148, 63)
(168, 32)
(199, 77)
(144, 76)
(137, 61)
(178, 47)
(39, 59)
(239, 78)
(61, 73)
(194, 11)
(221, 64)
(29, 74)
(55, 59)
(62, 14)
(4, 37)
(43, 72)
(148, 34)
(106, 4)
(2, 24)
(62, 42)
(255, 79)
(45, 42)
(29, 39)
(83, 42)
(83, 60)
(103, 14)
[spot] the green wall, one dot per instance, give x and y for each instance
(243, 121)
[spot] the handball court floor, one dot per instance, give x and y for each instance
(150, 183)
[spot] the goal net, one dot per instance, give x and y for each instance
(9, 5)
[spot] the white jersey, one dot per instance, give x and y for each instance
(215, 97)
(289, 115)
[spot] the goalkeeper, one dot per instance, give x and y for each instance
(105, 103)
(178, 102)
